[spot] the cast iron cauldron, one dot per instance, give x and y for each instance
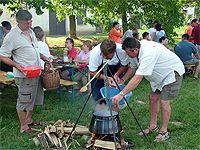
(103, 123)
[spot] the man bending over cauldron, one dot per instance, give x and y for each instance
(164, 70)
(118, 60)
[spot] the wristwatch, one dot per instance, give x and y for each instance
(121, 93)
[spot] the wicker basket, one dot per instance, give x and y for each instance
(50, 77)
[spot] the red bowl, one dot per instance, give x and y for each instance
(31, 71)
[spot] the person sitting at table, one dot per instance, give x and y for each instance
(66, 72)
(83, 60)
(42, 46)
(185, 51)
(164, 41)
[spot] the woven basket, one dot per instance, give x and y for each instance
(50, 77)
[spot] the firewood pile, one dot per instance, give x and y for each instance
(55, 135)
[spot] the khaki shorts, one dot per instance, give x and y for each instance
(30, 93)
(193, 61)
(171, 90)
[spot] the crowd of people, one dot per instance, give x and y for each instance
(129, 57)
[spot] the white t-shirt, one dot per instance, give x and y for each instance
(159, 34)
(133, 63)
(43, 49)
(151, 31)
(157, 64)
(128, 33)
(96, 57)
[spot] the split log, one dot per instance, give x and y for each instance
(78, 130)
(106, 144)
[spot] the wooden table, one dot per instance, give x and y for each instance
(6, 80)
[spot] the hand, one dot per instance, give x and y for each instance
(117, 78)
(116, 99)
(19, 67)
(46, 59)
(121, 81)
(111, 82)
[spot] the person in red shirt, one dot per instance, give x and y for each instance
(66, 72)
(189, 29)
(196, 35)
(115, 33)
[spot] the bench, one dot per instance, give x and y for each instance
(5, 80)
(189, 65)
(67, 83)
(189, 68)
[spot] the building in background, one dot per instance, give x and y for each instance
(50, 23)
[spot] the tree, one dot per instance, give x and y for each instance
(104, 12)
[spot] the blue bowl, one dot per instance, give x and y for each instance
(108, 93)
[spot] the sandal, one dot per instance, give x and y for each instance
(162, 136)
(148, 131)
(37, 123)
(29, 131)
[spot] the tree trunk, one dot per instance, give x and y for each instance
(72, 25)
(124, 22)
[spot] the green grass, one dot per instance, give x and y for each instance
(185, 109)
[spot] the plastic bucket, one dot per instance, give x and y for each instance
(32, 71)
(108, 93)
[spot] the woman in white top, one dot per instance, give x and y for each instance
(159, 32)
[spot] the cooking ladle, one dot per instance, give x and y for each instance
(84, 88)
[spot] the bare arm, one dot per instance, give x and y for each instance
(101, 76)
(44, 58)
(133, 83)
(129, 73)
(197, 56)
(120, 71)
(153, 36)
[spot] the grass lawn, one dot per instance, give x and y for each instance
(185, 109)
(59, 41)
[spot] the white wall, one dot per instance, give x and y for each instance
(43, 21)
(38, 20)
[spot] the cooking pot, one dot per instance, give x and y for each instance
(104, 123)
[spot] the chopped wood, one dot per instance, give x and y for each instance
(55, 140)
(52, 129)
(43, 140)
(36, 141)
(47, 133)
(56, 134)
(78, 130)
(62, 128)
(140, 102)
(57, 123)
(104, 144)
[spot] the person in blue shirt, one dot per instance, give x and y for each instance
(188, 54)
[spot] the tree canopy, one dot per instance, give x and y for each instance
(103, 12)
